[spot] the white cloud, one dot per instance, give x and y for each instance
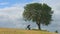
(4, 3)
(13, 11)
(11, 14)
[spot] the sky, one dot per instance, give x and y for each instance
(11, 14)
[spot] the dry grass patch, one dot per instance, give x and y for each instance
(18, 31)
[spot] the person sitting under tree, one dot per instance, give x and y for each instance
(28, 27)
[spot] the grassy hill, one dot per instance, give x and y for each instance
(19, 31)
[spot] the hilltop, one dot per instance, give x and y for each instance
(20, 31)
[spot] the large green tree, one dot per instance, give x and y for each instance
(38, 13)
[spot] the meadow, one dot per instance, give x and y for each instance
(20, 31)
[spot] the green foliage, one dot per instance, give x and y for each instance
(39, 13)
(56, 31)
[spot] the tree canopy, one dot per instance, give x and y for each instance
(39, 13)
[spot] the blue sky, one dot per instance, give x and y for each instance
(11, 14)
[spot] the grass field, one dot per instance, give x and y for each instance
(19, 31)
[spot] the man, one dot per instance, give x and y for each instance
(28, 27)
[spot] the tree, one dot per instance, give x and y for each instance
(39, 13)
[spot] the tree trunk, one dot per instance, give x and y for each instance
(39, 26)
